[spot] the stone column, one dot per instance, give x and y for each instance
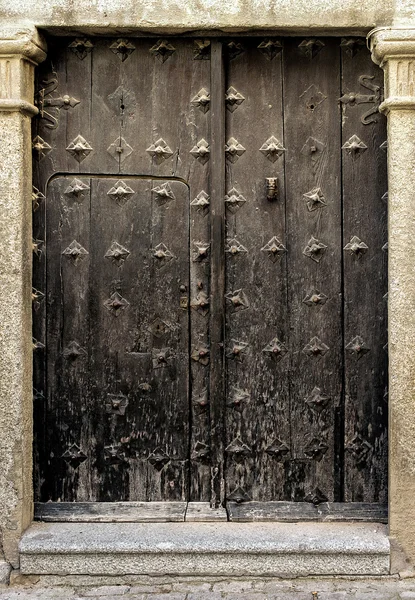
(394, 50)
(19, 53)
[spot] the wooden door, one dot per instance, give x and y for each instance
(210, 273)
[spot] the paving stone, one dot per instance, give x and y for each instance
(208, 596)
(108, 590)
(232, 586)
(406, 595)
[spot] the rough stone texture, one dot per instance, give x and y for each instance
(281, 549)
(4, 572)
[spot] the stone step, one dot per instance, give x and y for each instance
(215, 549)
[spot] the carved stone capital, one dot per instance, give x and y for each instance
(394, 50)
(20, 52)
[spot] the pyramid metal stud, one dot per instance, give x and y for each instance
(314, 199)
(238, 495)
(37, 198)
(73, 351)
(385, 247)
(119, 149)
(162, 50)
(310, 47)
(114, 454)
(75, 252)
(158, 327)
(201, 151)
(116, 404)
(163, 193)
(120, 192)
(234, 200)
(384, 146)
(357, 347)
(312, 97)
(314, 249)
(37, 298)
(352, 46)
(272, 149)
(316, 449)
(233, 99)
(76, 190)
(201, 100)
(161, 357)
(202, 202)
(317, 400)
(201, 354)
(40, 147)
(122, 48)
(117, 253)
(234, 49)
(237, 300)
(202, 401)
(74, 456)
(274, 249)
(201, 303)
(315, 348)
(162, 255)
(201, 251)
(385, 197)
(316, 497)
(234, 247)
(233, 150)
(237, 350)
(277, 450)
(202, 50)
(315, 298)
(37, 247)
(360, 449)
(36, 345)
(159, 151)
(238, 450)
(354, 147)
(238, 399)
(356, 247)
(81, 47)
(116, 304)
(270, 48)
(275, 349)
(79, 148)
(201, 452)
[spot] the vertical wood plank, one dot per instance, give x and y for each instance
(217, 310)
(365, 278)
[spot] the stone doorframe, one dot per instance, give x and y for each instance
(20, 51)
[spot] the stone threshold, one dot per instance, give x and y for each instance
(212, 549)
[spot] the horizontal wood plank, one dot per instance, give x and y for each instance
(110, 512)
(304, 511)
(203, 513)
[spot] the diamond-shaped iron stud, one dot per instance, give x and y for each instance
(351, 46)
(162, 50)
(201, 151)
(237, 300)
(238, 495)
(316, 496)
(315, 348)
(161, 357)
(37, 247)
(234, 200)
(201, 100)
(202, 401)
(237, 350)
(274, 249)
(122, 48)
(37, 298)
(315, 298)
(275, 349)
(384, 146)
(314, 249)
(201, 452)
(201, 355)
(317, 400)
(202, 50)
(79, 148)
(270, 48)
(314, 199)
(312, 97)
(354, 147)
(316, 449)
(116, 304)
(357, 347)
(360, 449)
(162, 255)
(233, 99)
(36, 345)
(202, 202)
(201, 303)
(40, 147)
(201, 251)
(272, 149)
(74, 456)
(81, 47)
(356, 247)
(116, 404)
(37, 198)
(119, 149)
(277, 449)
(75, 252)
(163, 193)
(310, 47)
(238, 399)
(234, 247)
(233, 150)
(73, 351)
(234, 49)
(120, 192)
(117, 253)
(158, 327)
(238, 450)
(114, 454)
(76, 190)
(159, 151)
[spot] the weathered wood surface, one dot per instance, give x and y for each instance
(110, 512)
(304, 511)
(203, 513)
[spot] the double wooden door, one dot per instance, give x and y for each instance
(210, 254)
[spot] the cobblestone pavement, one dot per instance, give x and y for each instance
(257, 589)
